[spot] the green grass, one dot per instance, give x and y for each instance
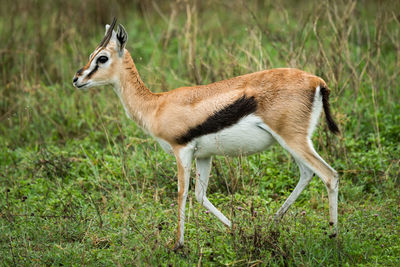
(80, 184)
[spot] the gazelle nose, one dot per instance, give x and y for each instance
(75, 79)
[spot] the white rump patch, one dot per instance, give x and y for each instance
(316, 111)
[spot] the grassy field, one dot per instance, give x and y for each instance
(80, 184)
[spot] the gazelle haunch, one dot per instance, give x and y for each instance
(239, 116)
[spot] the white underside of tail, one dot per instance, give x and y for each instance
(315, 112)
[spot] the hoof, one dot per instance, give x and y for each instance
(332, 229)
(177, 246)
(333, 235)
(277, 218)
(231, 229)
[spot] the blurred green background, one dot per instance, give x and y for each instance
(80, 184)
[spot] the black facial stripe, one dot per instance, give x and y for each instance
(221, 119)
(93, 71)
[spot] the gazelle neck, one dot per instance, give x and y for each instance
(139, 102)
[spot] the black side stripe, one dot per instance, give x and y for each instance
(93, 71)
(221, 119)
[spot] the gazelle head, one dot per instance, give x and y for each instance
(105, 61)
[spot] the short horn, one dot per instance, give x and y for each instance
(108, 35)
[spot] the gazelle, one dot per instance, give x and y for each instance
(239, 116)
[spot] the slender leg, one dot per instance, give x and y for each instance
(331, 181)
(305, 177)
(333, 192)
(203, 167)
(184, 159)
(303, 151)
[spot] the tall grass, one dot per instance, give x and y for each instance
(96, 184)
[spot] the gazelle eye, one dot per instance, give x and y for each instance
(102, 59)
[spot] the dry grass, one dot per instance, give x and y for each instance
(82, 185)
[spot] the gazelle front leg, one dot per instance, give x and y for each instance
(184, 157)
(203, 167)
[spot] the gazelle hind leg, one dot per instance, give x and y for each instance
(203, 168)
(303, 151)
(305, 177)
(331, 180)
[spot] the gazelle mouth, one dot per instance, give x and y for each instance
(82, 85)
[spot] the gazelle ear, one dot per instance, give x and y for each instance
(113, 32)
(121, 38)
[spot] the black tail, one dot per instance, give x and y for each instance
(325, 103)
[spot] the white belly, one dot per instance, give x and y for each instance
(165, 146)
(242, 138)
